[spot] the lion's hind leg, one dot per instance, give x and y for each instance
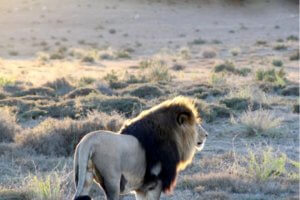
(88, 182)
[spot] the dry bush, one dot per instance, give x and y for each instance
(211, 111)
(60, 137)
(148, 91)
(259, 122)
(42, 91)
(124, 105)
(209, 54)
(83, 91)
(60, 85)
(8, 126)
(155, 70)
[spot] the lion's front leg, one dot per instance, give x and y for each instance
(151, 194)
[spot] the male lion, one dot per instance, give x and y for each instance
(146, 157)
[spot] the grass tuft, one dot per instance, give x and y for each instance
(259, 122)
(8, 126)
(266, 164)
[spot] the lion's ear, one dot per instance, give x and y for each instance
(182, 118)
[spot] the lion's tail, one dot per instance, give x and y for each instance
(82, 155)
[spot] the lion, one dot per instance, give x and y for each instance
(139, 157)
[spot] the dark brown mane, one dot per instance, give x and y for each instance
(157, 130)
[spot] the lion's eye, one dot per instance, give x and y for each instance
(199, 143)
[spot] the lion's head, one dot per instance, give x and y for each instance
(169, 134)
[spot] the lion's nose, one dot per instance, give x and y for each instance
(199, 143)
(206, 135)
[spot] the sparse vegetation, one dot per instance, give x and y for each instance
(113, 80)
(122, 54)
(88, 59)
(209, 54)
(47, 188)
(280, 47)
(294, 56)
(266, 164)
(56, 56)
(5, 81)
(261, 42)
(277, 63)
(230, 68)
(84, 81)
(235, 51)
(13, 53)
(259, 122)
(198, 41)
(155, 70)
(272, 75)
(59, 137)
(8, 125)
(99, 71)
(292, 38)
(145, 91)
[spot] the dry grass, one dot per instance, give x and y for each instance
(8, 126)
(260, 122)
(59, 137)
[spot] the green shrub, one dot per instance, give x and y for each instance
(198, 41)
(261, 42)
(230, 68)
(277, 63)
(272, 76)
(122, 54)
(237, 103)
(113, 80)
(296, 108)
(280, 47)
(292, 38)
(211, 112)
(47, 188)
(5, 81)
(227, 66)
(266, 164)
(294, 56)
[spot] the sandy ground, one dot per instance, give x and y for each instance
(156, 25)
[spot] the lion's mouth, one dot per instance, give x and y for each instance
(200, 145)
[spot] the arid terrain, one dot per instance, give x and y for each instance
(71, 67)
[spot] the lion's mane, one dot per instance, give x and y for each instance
(167, 133)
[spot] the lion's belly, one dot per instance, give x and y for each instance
(133, 181)
(131, 185)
